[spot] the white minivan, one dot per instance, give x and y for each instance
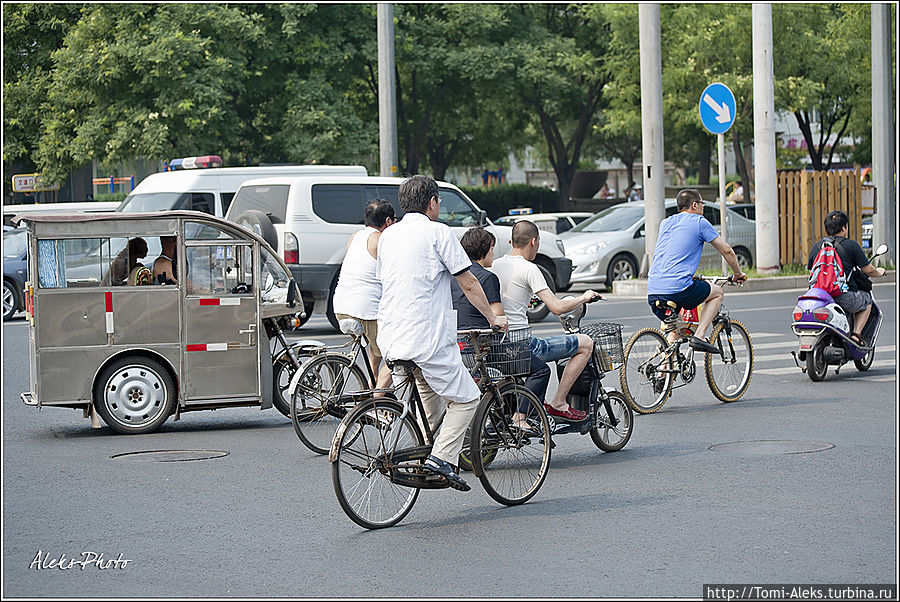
(211, 190)
(308, 220)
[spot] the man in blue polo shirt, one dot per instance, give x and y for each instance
(675, 261)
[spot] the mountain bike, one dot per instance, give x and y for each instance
(652, 364)
(380, 446)
(320, 397)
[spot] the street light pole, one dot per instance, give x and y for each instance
(387, 92)
(652, 129)
(767, 259)
(883, 166)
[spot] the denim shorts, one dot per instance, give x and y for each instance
(556, 348)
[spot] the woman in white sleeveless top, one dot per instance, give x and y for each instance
(358, 291)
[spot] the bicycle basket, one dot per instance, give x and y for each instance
(511, 356)
(608, 338)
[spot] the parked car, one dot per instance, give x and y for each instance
(748, 210)
(308, 220)
(15, 271)
(609, 245)
(549, 222)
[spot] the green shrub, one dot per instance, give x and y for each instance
(498, 200)
(110, 196)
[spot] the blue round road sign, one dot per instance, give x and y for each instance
(717, 108)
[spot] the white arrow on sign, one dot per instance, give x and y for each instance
(723, 113)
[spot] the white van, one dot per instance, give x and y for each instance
(211, 190)
(308, 220)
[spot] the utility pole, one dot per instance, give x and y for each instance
(765, 180)
(387, 92)
(651, 129)
(883, 158)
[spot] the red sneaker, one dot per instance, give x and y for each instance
(571, 414)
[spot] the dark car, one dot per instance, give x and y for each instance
(15, 272)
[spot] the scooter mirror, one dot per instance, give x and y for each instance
(881, 250)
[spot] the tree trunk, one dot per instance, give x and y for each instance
(705, 161)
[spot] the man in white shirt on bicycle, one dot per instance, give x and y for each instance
(520, 279)
(417, 259)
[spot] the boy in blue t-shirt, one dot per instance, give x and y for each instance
(676, 259)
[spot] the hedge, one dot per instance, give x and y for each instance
(498, 200)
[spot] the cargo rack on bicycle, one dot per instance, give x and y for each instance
(509, 353)
(608, 337)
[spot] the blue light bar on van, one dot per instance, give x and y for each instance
(196, 162)
(521, 211)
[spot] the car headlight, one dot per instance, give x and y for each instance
(562, 247)
(591, 249)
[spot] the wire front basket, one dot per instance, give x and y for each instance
(608, 337)
(509, 354)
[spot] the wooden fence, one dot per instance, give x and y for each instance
(804, 199)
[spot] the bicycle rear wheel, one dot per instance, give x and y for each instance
(511, 462)
(361, 463)
(645, 385)
(613, 438)
(728, 375)
(317, 406)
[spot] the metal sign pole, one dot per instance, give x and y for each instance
(722, 210)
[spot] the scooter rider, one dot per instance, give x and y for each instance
(853, 301)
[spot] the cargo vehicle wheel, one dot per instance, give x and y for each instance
(134, 395)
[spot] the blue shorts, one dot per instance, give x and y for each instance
(689, 298)
(556, 348)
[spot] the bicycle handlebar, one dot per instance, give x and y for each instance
(719, 280)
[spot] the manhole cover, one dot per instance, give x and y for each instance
(171, 455)
(770, 448)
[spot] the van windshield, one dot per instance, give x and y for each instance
(165, 201)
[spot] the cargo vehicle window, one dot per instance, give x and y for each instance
(80, 262)
(219, 269)
(339, 203)
(271, 199)
(198, 231)
(455, 210)
(274, 280)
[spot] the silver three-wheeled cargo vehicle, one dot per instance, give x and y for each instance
(135, 317)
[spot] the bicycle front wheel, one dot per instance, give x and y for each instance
(362, 463)
(511, 461)
(646, 376)
(317, 406)
(728, 375)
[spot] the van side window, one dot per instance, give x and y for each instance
(226, 201)
(339, 203)
(224, 269)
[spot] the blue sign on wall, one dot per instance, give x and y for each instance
(717, 108)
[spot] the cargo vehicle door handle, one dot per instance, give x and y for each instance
(251, 330)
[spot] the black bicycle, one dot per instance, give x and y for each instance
(380, 446)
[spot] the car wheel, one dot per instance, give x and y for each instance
(537, 309)
(621, 267)
(10, 300)
(745, 260)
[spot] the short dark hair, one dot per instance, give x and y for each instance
(416, 192)
(477, 242)
(686, 198)
(377, 213)
(522, 233)
(835, 222)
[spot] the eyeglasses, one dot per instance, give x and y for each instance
(439, 198)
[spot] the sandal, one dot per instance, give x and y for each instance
(570, 414)
(860, 342)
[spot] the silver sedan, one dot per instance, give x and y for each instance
(608, 246)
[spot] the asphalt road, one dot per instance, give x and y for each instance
(659, 518)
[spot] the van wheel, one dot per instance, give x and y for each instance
(260, 224)
(537, 310)
(329, 313)
(134, 395)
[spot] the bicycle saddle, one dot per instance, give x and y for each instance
(408, 364)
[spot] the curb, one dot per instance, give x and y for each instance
(638, 286)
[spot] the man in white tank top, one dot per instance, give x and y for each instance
(358, 291)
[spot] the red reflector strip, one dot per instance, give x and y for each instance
(209, 301)
(218, 301)
(195, 347)
(213, 347)
(109, 302)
